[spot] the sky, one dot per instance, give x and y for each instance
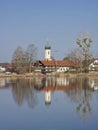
(59, 22)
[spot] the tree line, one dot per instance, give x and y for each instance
(22, 60)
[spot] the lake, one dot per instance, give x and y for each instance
(51, 103)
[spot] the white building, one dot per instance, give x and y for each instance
(94, 66)
(2, 69)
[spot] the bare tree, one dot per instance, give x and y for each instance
(84, 43)
(31, 55)
(18, 60)
(75, 56)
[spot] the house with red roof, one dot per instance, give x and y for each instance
(49, 65)
(56, 65)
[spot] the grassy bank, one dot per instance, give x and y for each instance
(13, 75)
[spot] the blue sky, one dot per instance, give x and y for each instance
(24, 22)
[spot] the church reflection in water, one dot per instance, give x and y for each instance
(49, 85)
(78, 90)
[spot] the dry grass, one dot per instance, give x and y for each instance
(91, 74)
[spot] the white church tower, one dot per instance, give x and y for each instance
(47, 52)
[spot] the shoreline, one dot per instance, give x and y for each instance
(70, 75)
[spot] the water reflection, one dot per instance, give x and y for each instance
(23, 90)
(78, 90)
(84, 106)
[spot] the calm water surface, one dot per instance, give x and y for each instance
(49, 104)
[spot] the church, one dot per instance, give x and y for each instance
(49, 65)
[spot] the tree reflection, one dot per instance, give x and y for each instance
(81, 95)
(84, 107)
(74, 90)
(23, 90)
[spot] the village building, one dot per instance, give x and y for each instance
(4, 67)
(49, 65)
(93, 66)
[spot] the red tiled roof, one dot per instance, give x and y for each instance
(62, 63)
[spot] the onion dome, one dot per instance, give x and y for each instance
(47, 46)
